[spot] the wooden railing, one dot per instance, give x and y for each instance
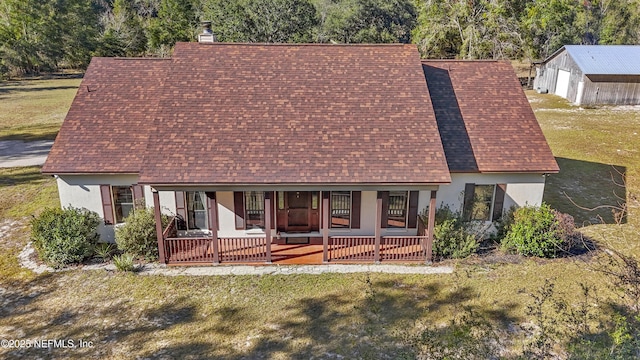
(427, 244)
(193, 250)
(171, 230)
(242, 250)
(402, 248)
(352, 248)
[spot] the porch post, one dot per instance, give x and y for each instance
(212, 206)
(378, 231)
(267, 223)
(159, 229)
(431, 225)
(325, 227)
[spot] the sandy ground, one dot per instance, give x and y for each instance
(16, 153)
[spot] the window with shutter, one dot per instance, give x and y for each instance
(483, 202)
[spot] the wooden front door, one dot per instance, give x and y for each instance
(298, 206)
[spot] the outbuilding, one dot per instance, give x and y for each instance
(592, 74)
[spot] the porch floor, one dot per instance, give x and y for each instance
(292, 254)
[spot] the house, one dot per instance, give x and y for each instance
(262, 151)
(592, 74)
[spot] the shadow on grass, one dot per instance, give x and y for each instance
(318, 327)
(32, 133)
(18, 87)
(19, 176)
(582, 186)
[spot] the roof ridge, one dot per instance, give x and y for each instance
(295, 44)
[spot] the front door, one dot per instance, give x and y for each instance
(298, 205)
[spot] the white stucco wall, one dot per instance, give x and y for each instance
(522, 189)
(83, 191)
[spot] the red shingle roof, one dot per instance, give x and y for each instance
(267, 114)
(298, 114)
(485, 120)
(108, 124)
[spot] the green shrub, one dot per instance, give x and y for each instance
(539, 231)
(65, 236)
(137, 236)
(124, 262)
(104, 251)
(453, 238)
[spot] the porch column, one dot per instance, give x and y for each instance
(267, 223)
(431, 225)
(156, 208)
(212, 206)
(325, 227)
(378, 231)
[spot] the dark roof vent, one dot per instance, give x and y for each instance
(207, 35)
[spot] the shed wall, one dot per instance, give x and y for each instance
(547, 75)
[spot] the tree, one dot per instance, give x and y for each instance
(469, 29)
(42, 35)
(175, 22)
(124, 34)
(230, 21)
(367, 21)
(547, 25)
(281, 21)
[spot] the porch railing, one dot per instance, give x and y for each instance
(352, 248)
(184, 250)
(243, 250)
(402, 248)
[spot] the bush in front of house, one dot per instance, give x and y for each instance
(453, 238)
(137, 236)
(539, 231)
(65, 236)
(124, 262)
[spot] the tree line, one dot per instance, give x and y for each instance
(45, 35)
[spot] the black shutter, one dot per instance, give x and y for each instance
(238, 208)
(467, 207)
(498, 201)
(412, 221)
(107, 204)
(356, 203)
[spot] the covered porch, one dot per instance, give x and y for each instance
(310, 247)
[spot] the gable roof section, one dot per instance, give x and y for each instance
(484, 118)
(107, 126)
(604, 59)
(295, 114)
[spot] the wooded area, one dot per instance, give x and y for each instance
(46, 35)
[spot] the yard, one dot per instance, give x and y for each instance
(122, 316)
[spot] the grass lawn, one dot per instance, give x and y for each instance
(324, 316)
(34, 109)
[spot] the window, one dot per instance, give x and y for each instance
(397, 212)
(483, 202)
(122, 202)
(254, 209)
(197, 211)
(340, 209)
